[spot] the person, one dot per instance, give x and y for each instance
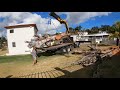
(34, 55)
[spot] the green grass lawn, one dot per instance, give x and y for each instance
(7, 59)
(23, 64)
(10, 65)
(108, 69)
(18, 58)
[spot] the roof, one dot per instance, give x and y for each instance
(22, 25)
(101, 34)
(98, 34)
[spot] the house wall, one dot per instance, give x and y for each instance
(19, 36)
(97, 39)
(79, 38)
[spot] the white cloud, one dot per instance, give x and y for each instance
(2, 33)
(80, 17)
(13, 18)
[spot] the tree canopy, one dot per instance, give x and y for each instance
(104, 28)
(3, 41)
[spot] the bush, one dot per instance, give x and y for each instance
(3, 49)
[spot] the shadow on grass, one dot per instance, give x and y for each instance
(109, 68)
(9, 76)
(81, 73)
(50, 53)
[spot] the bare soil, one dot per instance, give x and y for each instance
(20, 68)
(3, 52)
(47, 64)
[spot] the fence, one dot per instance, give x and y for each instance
(108, 42)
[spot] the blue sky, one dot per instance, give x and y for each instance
(103, 20)
(85, 19)
(95, 21)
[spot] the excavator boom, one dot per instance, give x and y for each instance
(60, 20)
(55, 16)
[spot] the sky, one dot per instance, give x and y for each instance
(86, 19)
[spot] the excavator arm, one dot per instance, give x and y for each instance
(60, 20)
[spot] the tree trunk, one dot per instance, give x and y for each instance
(117, 42)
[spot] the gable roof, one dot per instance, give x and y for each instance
(22, 25)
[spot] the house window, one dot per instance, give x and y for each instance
(13, 44)
(11, 31)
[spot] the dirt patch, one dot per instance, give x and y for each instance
(3, 52)
(104, 47)
(20, 68)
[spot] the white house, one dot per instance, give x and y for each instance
(17, 35)
(80, 36)
(84, 36)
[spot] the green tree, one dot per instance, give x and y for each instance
(88, 30)
(3, 41)
(94, 30)
(116, 34)
(78, 29)
(71, 30)
(107, 28)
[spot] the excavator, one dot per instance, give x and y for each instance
(67, 33)
(62, 42)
